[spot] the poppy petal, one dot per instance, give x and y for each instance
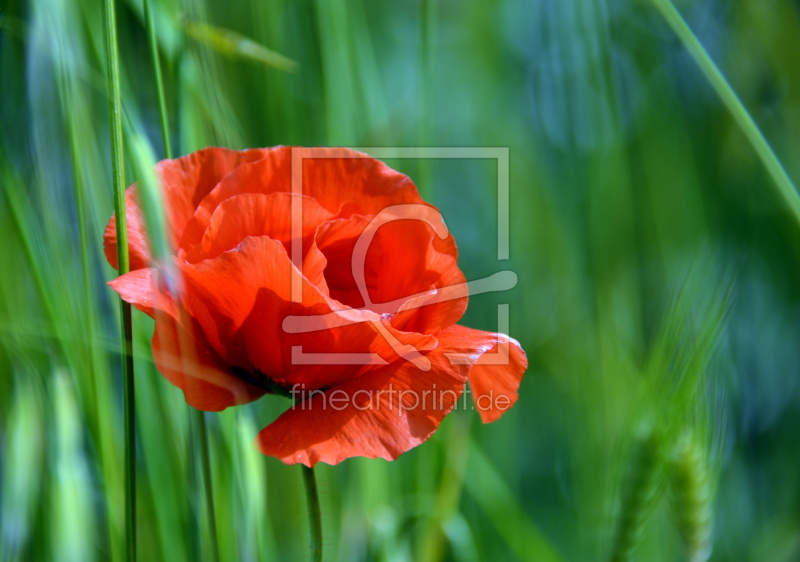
(498, 363)
(190, 364)
(140, 288)
(337, 176)
(138, 246)
(380, 414)
(242, 298)
(402, 268)
(384, 413)
(269, 174)
(343, 181)
(256, 214)
(187, 180)
(183, 357)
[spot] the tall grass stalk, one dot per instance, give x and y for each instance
(118, 179)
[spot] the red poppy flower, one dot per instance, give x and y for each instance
(351, 307)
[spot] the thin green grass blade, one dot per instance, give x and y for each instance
(232, 44)
(152, 39)
(118, 180)
(143, 164)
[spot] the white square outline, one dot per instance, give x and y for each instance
(501, 154)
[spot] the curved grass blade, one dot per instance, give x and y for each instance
(717, 80)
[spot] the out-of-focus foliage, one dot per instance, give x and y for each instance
(658, 265)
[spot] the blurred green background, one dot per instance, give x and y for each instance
(658, 264)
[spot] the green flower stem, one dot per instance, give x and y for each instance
(733, 103)
(314, 514)
(162, 102)
(118, 179)
(310, 481)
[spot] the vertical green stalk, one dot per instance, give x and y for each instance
(118, 178)
(733, 103)
(208, 488)
(162, 102)
(314, 514)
